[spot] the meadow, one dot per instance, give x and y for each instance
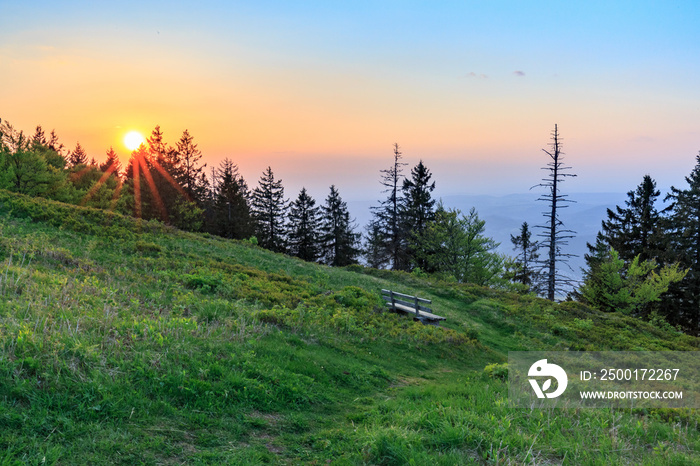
(130, 342)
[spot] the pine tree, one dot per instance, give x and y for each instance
(232, 217)
(386, 217)
(303, 236)
(338, 238)
(78, 156)
(554, 234)
(417, 210)
(526, 260)
(684, 233)
(269, 209)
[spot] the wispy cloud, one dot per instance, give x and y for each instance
(472, 74)
(519, 73)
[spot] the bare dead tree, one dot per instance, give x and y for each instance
(387, 237)
(553, 231)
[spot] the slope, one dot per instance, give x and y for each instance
(130, 342)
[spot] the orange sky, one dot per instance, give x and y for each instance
(322, 93)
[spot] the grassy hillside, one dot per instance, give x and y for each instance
(132, 343)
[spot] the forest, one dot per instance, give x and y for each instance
(644, 262)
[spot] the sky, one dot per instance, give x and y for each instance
(320, 91)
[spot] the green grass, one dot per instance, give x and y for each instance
(124, 342)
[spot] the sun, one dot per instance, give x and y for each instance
(133, 139)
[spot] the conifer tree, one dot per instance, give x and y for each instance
(636, 229)
(232, 217)
(684, 234)
(165, 167)
(112, 164)
(28, 169)
(303, 237)
(374, 251)
(164, 154)
(39, 139)
(149, 194)
(54, 144)
(554, 234)
(192, 176)
(417, 210)
(78, 156)
(269, 210)
(627, 286)
(94, 187)
(338, 238)
(145, 200)
(526, 259)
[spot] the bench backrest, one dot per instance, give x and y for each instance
(407, 300)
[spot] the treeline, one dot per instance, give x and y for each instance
(646, 258)
(645, 261)
(170, 184)
(409, 230)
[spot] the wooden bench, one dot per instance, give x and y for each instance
(408, 304)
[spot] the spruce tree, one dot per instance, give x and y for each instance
(192, 177)
(164, 154)
(78, 156)
(112, 164)
(145, 199)
(54, 144)
(555, 235)
(166, 169)
(39, 139)
(231, 206)
(165, 166)
(303, 236)
(338, 238)
(629, 287)
(374, 251)
(636, 229)
(149, 195)
(269, 209)
(417, 210)
(684, 235)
